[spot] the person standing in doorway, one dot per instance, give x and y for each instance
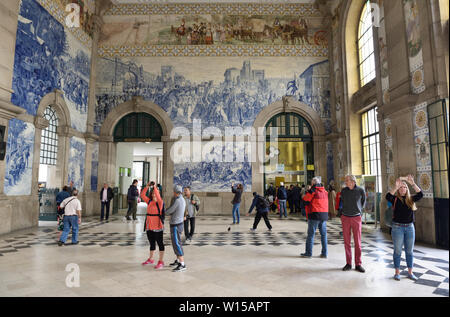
(106, 195)
(270, 193)
(60, 215)
(403, 231)
(236, 202)
(176, 210)
(72, 218)
(296, 196)
(351, 206)
(282, 196)
(316, 200)
(154, 225)
(132, 198)
(262, 209)
(192, 207)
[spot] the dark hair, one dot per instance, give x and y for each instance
(65, 189)
(135, 181)
(188, 187)
(255, 193)
(152, 183)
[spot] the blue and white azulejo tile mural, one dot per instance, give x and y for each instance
(48, 57)
(94, 167)
(77, 162)
(220, 91)
(19, 158)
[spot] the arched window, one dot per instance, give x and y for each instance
(366, 46)
(49, 138)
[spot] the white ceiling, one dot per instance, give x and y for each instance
(147, 149)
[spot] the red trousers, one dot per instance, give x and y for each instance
(349, 225)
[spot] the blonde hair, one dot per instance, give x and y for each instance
(408, 199)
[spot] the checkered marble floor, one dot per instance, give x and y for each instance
(212, 232)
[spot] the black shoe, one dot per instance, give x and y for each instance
(179, 268)
(304, 255)
(359, 268)
(175, 263)
(128, 218)
(347, 267)
(75, 243)
(60, 243)
(323, 256)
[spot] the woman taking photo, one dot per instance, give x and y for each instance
(403, 232)
(153, 223)
(237, 191)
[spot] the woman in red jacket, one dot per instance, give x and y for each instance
(153, 223)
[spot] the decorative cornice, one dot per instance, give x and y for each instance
(9, 111)
(91, 137)
(364, 97)
(40, 123)
(298, 9)
(213, 50)
(398, 105)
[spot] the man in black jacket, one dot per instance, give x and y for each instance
(132, 198)
(295, 198)
(106, 195)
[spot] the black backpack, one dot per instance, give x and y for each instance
(162, 214)
(262, 203)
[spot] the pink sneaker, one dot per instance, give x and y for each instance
(149, 261)
(160, 265)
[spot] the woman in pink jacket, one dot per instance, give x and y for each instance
(153, 223)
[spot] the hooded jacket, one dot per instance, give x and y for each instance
(317, 200)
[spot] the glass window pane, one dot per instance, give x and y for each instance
(440, 130)
(443, 157)
(437, 184)
(444, 184)
(433, 134)
(435, 154)
(435, 109)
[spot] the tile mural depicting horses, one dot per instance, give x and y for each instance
(213, 29)
(19, 158)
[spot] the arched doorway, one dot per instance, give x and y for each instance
(293, 148)
(139, 123)
(315, 125)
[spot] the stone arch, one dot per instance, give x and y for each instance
(107, 147)
(289, 104)
(55, 99)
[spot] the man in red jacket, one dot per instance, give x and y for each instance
(317, 214)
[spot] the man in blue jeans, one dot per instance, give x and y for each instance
(72, 218)
(282, 197)
(317, 214)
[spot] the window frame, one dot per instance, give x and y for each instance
(377, 143)
(359, 47)
(48, 153)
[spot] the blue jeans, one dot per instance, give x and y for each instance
(403, 235)
(236, 211)
(312, 226)
(282, 207)
(70, 221)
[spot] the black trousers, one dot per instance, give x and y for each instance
(105, 204)
(258, 218)
(155, 237)
(189, 233)
(295, 206)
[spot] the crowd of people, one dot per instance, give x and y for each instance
(313, 201)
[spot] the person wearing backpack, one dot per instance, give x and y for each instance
(72, 218)
(154, 225)
(262, 209)
(316, 200)
(192, 207)
(403, 231)
(132, 197)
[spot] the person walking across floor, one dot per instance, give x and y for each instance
(316, 200)
(236, 202)
(132, 198)
(176, 210)
(106, 195)
(351, 206)
(192, 207)
(262, 205)
(72, 218)
(403, 231)
(59, 214)
(154, 225)
(282, 196)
